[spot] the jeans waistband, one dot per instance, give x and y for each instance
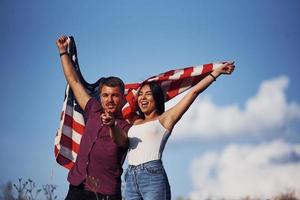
(145, 165)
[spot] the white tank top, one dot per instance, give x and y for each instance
(146, 142)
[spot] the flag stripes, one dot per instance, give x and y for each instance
(72, 123)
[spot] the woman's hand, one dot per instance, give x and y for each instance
(226, 68)
(62, 43)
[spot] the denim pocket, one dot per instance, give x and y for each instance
(155, 169)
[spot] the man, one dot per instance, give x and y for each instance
(97, 171)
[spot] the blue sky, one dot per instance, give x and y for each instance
(137, 39)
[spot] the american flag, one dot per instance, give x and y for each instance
(72, 122)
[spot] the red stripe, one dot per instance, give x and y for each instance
(183, 81)
(187, 72)
(207, 68)
(176, 84)
(55, 150)
(127, 112)
(69, 121)
(69, 143)
(130, 97)
(60, 159)
(164, 76)
(173, 89)
(132, 85)
(169, 73)
(65, 162)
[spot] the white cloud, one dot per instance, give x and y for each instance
(265, 112)
(261, 171)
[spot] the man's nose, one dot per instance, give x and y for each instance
(110, 98)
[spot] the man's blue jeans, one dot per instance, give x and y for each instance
(147, 181)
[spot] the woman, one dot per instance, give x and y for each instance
(145, 176)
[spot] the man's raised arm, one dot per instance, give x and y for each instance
(79, 91)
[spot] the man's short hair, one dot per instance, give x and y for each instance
(112, 81)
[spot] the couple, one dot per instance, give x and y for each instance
(97, 171)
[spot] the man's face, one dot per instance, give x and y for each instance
(111, 99)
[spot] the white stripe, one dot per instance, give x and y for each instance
(127, 103)
(66, 152)
(135, 91)
(125, 106)
(58, 134)
(197, 70)
(57, 138)
(153, 79)
(176, 75)
(126, 91)
(71, 133)
(75, 115)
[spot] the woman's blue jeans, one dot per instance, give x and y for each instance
(147, 181)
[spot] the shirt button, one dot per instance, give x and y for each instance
(87, 163)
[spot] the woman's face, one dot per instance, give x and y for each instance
(145, 100)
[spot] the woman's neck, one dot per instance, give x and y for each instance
(151, 116)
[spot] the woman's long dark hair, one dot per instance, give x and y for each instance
(158, 96)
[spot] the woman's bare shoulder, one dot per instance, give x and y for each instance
(138, 121)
